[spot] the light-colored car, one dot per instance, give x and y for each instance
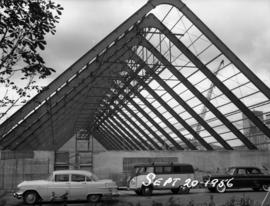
(176, 177)
(64, 185)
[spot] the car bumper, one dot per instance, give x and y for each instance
(115, 193)
(112, 192)
(18, 195)
(133, 187)
(207, 185)
(111, 196)
(210, 186)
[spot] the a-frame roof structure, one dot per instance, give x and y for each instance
(158, 81)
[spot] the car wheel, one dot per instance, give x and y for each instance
(30, 197)
(175, 190)
(266, 188)
(93, 198)
(221, 189)
(184, 189)
(147, 191)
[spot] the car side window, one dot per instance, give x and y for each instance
(77, 178)
(61, 178)
(253, 171)
(167, 169)
(158, 170)
(241, 172)
(149, 169)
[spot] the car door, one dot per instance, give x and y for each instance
(59, 188)
(167, 177)
(240, 178)
(158, 181)
(78, 187)
(255, 177)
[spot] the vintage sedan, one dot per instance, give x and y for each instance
(64, 185)
(236, 178)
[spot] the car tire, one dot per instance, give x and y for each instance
(175, 190)
(266, 187)
(147, 191)
(93, 198)
(184, 189)
(220, 189)
(30, 197)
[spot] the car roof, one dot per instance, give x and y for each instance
(244, 167)
(79, 172)
(161, 164)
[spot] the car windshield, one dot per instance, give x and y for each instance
(50, 177)
(143, 170)
(94, 177)
(230, 171)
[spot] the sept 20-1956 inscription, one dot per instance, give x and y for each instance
(190, 183)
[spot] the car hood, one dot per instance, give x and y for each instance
(33, 182)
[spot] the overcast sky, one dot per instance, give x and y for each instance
(244, 25)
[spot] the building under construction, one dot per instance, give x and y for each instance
(162, 82)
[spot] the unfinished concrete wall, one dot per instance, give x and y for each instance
(69, 146)
(18, 166)
(109, 164)
(84, 147)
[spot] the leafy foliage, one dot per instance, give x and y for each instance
(23, 26)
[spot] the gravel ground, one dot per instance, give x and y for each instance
(197, 197)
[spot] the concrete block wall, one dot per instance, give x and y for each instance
(15, 169)
(108, 164)
(45, 155)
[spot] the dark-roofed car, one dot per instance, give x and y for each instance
(64, 185)
(236, 178)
